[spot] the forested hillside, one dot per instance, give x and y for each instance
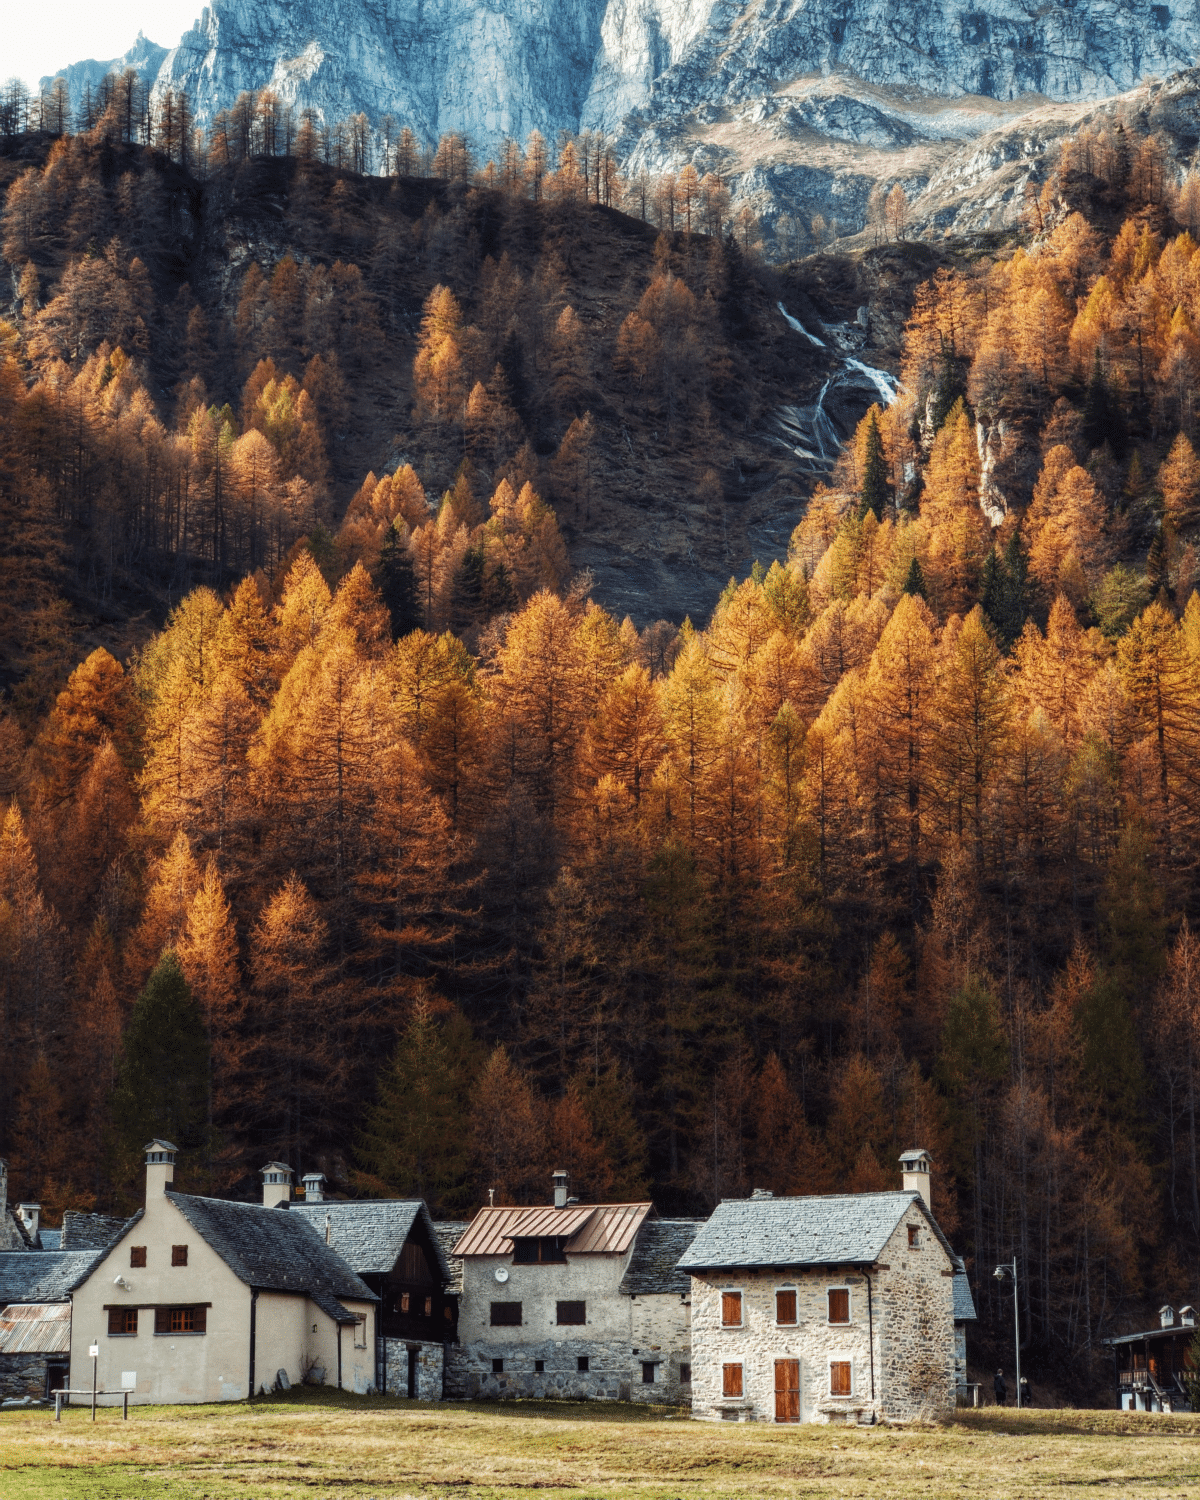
(396, 856)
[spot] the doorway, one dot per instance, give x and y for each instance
(787, 1390)
(414, 1354)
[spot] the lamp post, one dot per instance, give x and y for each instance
(1000, 1273)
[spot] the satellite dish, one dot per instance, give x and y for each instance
(501, 1274)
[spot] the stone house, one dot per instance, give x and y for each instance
(824, 1309)
(660, 1311)
(543, 1313)
(35, 1319)
(394, 1247)
(199, 1299)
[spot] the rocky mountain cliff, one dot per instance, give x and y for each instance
(802, 103)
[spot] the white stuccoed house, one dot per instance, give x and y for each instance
(842, 1308)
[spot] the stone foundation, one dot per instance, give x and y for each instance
(470, 1373)
(22, 1375)
(431, 1365)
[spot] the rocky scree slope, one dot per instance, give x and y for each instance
(818, 100)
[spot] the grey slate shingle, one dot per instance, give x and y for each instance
(654, 1264)
(964, 1302)
(276, 1250)
(839, 1229)
(88, 1231)
(52, 1238)
(448, 1235)
(42, 1275)
(369, 1234)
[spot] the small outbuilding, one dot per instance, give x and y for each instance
(1149, 1367)
(35, 1319)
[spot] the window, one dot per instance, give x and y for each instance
(581, 1364)
(731, 1310)
(572, 1312)
(137, 1256)
(429, 1307)
(497, 1367)
(122, 1322)
(544, 1251)
(685, 1374)
(785, 1307)
(360, 1333)
(181, 1320)
(647, 1372)
(405, 1301)
(539, 1366)
(506, 1315)
(179, 1255)
(914, 1236)
(839, 1377)
(731, 1380)
(839, 1304)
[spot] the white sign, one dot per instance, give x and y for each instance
(129, 1380)
(94, 1351)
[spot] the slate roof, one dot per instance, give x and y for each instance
(51, 1239)
(276, 1250)
(16, 1228)
(370, 1234)
(840, 1229)
(448, 1235)
(964, 1302)
(653, 1266)
(42, 1275)
(88, 1231)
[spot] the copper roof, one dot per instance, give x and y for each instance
(589, 1228)
(36, 1328)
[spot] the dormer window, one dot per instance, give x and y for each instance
(542, 1250)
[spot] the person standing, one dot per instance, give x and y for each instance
(1000, 1389)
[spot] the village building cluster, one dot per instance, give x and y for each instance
(842, 1308)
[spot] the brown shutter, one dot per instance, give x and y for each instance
(731, 1380)
(785, 1307)
(731, 1309)
(201, 1320)
(839, 1378)
(137, 1255)
(839, 1305)
(162, 1320)
(115, 1315)
(179, 1255)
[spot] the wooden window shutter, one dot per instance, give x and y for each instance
(137, 1255)
(179, 1255)
(785, 1307)
(200, 1323)
(731, 1380)
(731, 1310)
(839, 1377)
(162, 1320)
(116, 1319)
(839, 1305)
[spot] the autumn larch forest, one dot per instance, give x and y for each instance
(343, 826)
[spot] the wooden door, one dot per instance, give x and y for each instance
(787, 1390)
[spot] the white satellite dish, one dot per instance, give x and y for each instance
(501, 1274)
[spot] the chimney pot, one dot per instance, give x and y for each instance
(560, 1189)
(160, 1168)
(30, 1215)
(762, 1193)
(916, 1166)
(314, 1187)
(277, 1184)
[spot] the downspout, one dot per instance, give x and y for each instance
(339, 1329)
(253, 1332)
(871, 1340)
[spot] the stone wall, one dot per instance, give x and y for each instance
(431, 1362)
(22, 1375)
(915, 1288)
(759, 1342)
(661, 1331)
(471, 1372)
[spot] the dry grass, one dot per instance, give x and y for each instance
(316, 1444)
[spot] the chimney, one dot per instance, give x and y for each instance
(277, 1184)
(560, 1189)
(30, 1214)
(314, 1187)
(3, 1197)
(916, 1166)
(762, 1193)
(160, 1168)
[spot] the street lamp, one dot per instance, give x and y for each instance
(1000, 1273)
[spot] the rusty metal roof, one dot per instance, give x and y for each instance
(589, 1228)
(36, 1328)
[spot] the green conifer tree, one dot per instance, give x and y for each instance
(914, 583)
(874, 494)
(397, 583)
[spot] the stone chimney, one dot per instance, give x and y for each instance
(3, 1197)
(277, 1184)
(314, 1187)
(560, 1189)
(916, 1166)
(30, 1215)
(160, 1168)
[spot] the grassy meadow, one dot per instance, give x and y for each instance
(316, 1444)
